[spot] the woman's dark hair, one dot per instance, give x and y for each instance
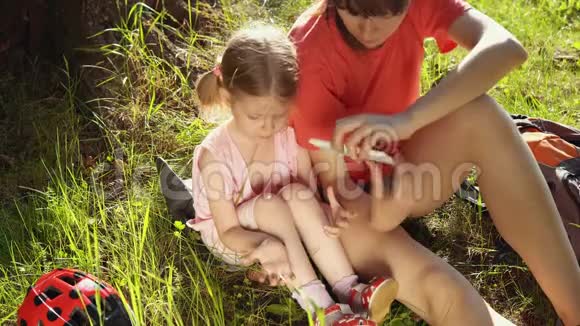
(365, 8)
(370, 8)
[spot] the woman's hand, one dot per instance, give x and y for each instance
(272, 256)
(340, 216)
(364, 132)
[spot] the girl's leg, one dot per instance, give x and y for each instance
(375, 298)
(272, 215)
(518, 198)
(309, 218)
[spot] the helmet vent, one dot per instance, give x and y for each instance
(78, 317)
(52, 292)
(69, 280)
(53, 314)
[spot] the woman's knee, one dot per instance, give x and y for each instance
(482, 116)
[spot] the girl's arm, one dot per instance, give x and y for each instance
(230, 232)
(494, 53)
(305, 175)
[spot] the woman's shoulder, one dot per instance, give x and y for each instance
(310, 31)
(316, 41)
(428, 11)
(432, 19)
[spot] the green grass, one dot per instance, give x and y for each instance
(91, 198)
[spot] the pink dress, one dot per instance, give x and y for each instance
(231, 165)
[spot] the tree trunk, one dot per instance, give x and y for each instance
(53, 28)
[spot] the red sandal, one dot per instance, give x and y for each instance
(374, 299)
(342, 315)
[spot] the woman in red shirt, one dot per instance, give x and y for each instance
(360, 65)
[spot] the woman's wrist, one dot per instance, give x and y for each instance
(415, 118)
(423, 112)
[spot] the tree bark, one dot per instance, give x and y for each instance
(53, 28)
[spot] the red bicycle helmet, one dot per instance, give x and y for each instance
(69, 297)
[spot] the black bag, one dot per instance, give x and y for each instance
(177, 195)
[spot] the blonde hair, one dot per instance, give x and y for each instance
(258, 61)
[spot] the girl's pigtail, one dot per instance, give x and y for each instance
(208, 88)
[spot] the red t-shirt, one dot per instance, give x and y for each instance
(337, 81)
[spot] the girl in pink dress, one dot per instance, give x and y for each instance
(254, 191)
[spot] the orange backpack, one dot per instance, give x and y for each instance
(556, 147)
(544, 138)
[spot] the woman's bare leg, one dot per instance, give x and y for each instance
(518, 198)
(427, 285)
